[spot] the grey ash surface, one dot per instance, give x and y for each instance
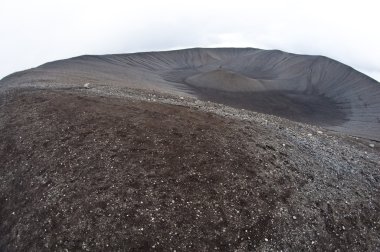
(309, 89)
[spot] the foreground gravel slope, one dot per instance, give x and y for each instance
(107, 169)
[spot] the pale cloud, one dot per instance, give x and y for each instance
(34, 32)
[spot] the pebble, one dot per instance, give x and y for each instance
(294, 217)
(372, 145)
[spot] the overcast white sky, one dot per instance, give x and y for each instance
(34, 32)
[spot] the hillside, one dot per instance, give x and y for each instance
(193, 150)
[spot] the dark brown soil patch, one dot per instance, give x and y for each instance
(80, 172)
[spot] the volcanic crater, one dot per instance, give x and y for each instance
(226, 149)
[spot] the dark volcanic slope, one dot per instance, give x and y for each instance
(82, 172)
(311, 89)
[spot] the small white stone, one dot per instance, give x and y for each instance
(86, 85)
(266, 239)
(294, 217)
(372, 145)
(319, 132)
